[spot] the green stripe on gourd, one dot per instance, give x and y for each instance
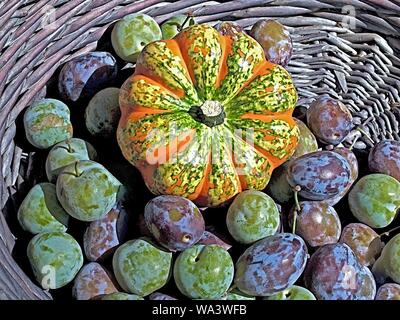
(246, 55)
(255, 99)
(161, 61)
(252, 166)
(223, 178)
(153, 96)
(279, 129)
(188, 168)
(158, 131)
(205, 66)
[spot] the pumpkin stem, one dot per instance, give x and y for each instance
(210, 113)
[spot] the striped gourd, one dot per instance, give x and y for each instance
(205, 116)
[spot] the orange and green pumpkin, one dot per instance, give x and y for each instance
(205, 116)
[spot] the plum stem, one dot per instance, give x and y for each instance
(77, 173)
(233, 287)
(366, 135)
(182, 26)
(297, 189)
(354, 143)
(388, 232)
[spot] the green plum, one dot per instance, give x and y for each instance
(375, 199)
(278, 186)
(102, 113)
(66, 153)
(388, 264)
(140, 267)
(55, 258)
(40, 211)
(253, 215)
(204, 272)
(237, 295)
(47, 122)
(131, 34)
(87, 190)
(121, 296)
(307, 142)
(174, 25)
(292, 293)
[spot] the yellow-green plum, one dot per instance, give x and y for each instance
(87, 190)
(55, 258)
(204, 272)
(388, 264)
(140, 267)
(121, 296)
(174, 25)
(235, 294)
(47, 122)
(102, 113)
(40, 211)
(131, 34)
(66, 153)
(253, 215)
(307, 142)
(375, 199)
(279, 187)
(292, 293)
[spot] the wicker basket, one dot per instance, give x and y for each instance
(348, 49)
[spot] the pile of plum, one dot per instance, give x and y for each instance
(314, 233)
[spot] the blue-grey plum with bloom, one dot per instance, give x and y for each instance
(329, 119)
(87, 190)
(321, 174)
(47, 122)
(271, 265)
(161, 296)
(388, 291)
(55, 258)
(83, 76)
(132, 33)
(384, 157)
(334, 273)
(41, 211)
(92, 281)
(66, 153)
(140, 267)
(204, 272)
(253, 215)
(353, 162)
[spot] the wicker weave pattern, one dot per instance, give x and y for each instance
(350, 58)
